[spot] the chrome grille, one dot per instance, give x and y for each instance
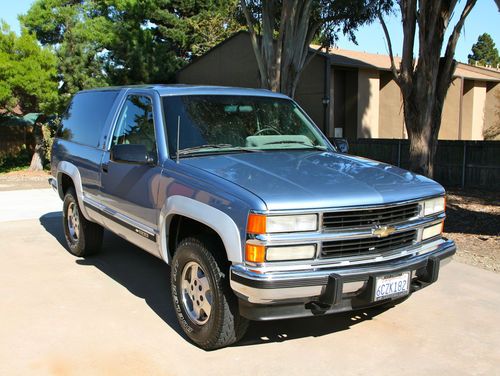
(367, 246)
(368, 217)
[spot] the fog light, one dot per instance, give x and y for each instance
(432, 231)
(299, 252)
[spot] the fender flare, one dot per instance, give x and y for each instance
(211, 217)
(71, 170)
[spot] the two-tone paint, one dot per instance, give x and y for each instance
(219, 191)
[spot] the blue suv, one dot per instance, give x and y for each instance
(259, 216)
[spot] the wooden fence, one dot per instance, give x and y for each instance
(473, 164)
(13, 139)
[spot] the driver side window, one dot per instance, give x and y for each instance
(135, 124)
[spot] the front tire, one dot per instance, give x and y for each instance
(206, 307)
(82, 236)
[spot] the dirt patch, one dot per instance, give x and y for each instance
(16, 180)
(473, 222)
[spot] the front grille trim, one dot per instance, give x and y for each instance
(361, 218)
(368, 247)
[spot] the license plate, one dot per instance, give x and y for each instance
(391, 286)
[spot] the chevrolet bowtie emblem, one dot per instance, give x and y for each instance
(383, 231)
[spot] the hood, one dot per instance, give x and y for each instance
(314, 179)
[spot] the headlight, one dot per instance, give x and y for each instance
(433, 206)
(261, 224)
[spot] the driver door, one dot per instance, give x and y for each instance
(129, 191)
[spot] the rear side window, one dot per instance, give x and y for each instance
(85, 117)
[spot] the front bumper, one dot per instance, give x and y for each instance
(278, 295)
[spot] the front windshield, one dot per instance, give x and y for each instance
(228, 123)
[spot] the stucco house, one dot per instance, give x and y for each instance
(352, 94)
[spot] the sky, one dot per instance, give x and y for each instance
(484, 18)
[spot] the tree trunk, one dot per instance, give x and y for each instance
(422, 114)
(39, 154)
(424, 82)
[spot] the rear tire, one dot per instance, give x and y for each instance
(82, 236)
(206, 307)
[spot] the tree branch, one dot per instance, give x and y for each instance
(255, 43)
(453, 39)
(409, 18)
(389, 45)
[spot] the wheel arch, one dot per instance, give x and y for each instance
(202, 216)
(68, 174)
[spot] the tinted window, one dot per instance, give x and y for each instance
(135, 124)
(85, 117)
(228, 123)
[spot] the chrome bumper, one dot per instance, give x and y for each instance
(285, 286)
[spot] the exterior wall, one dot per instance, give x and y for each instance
(232, 63)
(467, 100)
(391, 116)
(478, 110)
(368, 103)
(473, 110)
(311, 91)
(450, 119)
(492, 109)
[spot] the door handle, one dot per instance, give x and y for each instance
(104, 167)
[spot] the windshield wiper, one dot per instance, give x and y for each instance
(229, 148)
(206, 146)
(296, 142)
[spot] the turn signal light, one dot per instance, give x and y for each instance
(256, 224)
(255, 253)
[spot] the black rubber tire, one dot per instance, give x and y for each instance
(225, 325)
(90, 234)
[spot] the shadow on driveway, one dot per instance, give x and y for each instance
(148, 277)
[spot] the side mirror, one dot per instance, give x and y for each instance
(341, 144)
(131, 153)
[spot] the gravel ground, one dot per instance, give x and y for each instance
(473, 222)
(473, 218)
(17, 180)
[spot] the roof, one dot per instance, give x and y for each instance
(357, 59)
(180, 89)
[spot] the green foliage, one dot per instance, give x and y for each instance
(118, 42)
(484, 52)
(196, 26)
(27, 73)
(76, 37)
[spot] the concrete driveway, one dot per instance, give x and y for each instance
(111, 315)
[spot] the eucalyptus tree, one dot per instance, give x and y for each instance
(424, 80)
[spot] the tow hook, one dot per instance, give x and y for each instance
(331, 296)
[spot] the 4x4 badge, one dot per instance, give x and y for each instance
(383, 231)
